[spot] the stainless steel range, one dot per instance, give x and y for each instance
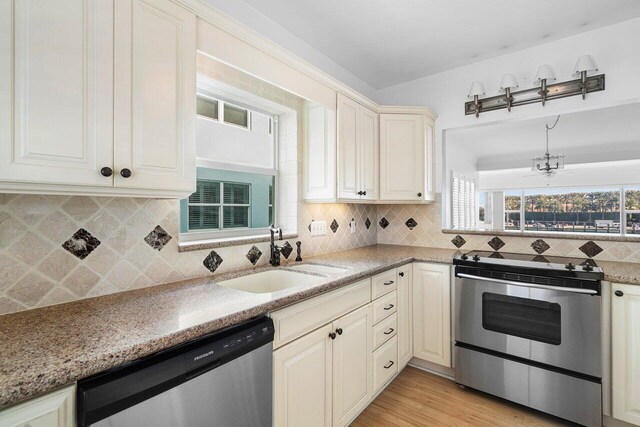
(528, 329)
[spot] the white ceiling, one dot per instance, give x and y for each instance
(592, 136)
(389, 42)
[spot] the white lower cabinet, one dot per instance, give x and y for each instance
(405, 330)
(55, 409)
(625, 352)
(432, 313)
(385, 363)
(352, 382)
(325, 377)
(302, 381)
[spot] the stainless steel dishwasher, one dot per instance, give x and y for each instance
(223, 379)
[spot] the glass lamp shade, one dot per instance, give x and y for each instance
(545, 72)
(476, 89)
(508, 82)
(585, 63)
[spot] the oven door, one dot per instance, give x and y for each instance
(556, 327)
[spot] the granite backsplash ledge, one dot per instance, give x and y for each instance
(55, 249)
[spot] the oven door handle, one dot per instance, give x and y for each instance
(528, 285)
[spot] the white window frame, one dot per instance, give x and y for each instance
(221, 105)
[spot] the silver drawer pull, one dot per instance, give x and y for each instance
(389, 365)
(390, 331)
(390, 282)
(390, 307)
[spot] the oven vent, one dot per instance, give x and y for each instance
(529, 278)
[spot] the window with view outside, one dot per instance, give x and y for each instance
(512, 205)
(582, 210)
(632, 210)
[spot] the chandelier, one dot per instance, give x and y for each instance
(548, 164)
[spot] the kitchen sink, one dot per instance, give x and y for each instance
(321, 269)
(270, 281)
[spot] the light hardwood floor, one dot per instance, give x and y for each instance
(418, 398)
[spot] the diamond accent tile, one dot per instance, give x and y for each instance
(411, 223)
(540, 246)
(458, 241)
(334, 226)
(496, 243)
(157, 238)
(540, 258)
(212, 261)
(384, 223)
(367, 223)
(496, 255)
(590, 249)
(254, 255)
(81, 244)
(287, 248)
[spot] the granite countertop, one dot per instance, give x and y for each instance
(50, 347)
(47, 348)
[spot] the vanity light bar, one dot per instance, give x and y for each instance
(533, 95)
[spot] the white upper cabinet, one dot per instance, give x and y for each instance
(357, 151)
(56, 91)
(406, 158)
(155, 95)
(89, 88)
(320, 154)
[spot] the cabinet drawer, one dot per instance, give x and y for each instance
(383, 283)
(385, 306)
(385, 330)
(385, 363)
(296, 320)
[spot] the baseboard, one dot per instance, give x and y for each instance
(433, 368)
(612, 422)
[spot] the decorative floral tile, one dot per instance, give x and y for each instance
(254, 255)
(212, 261)
(286, 249)
(157, 238)
(496, 255)
(590, 249)
(496, 243)
(458, 241)
(540, 246)
(81, 244)
(384, 223)
(334, 226)
(367, 223)
(411, 223)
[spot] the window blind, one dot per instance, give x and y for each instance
(463, 202)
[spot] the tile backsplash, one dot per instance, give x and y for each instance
(55, 249)
(418, 225)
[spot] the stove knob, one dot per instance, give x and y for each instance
(570, 266)
(476, 257)
(587, 267)
(464, 257)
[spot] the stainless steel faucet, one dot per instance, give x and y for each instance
(274, 255)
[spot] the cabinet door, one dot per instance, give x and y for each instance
(302, 381)
(431, 313)
(348, 149)
(56, 409)
(352, 364)
(625, 353)
(56, 91)
(402, 157)
(155, 95)
(368, 139)
(405, 331)
(320, 154)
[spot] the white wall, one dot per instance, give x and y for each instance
(252, 18)
(615, 49)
